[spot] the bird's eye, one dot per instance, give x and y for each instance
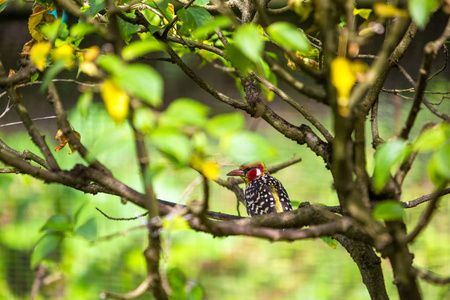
(247, 169)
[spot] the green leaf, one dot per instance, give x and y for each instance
(177, 281)
(127, 29)
(201, 2)
(111, 63)
(238, 59)
(248, 146)
(224, 124)
(184, 111)
(286, 34)
(388, 210)
(88, 230)
(194, 17)
(438, 167)
(58, 222)
(51, 30)
(196, 293)
(421, 10)
(47, 244)
(363, 12)
(84, 103)
(248, 39)
(430, 139)
(330, 241)
(81, 29)
(173, 144)
(95, 6)
(141, 81)
(34, 77)
(139, 48)
(144, 119)
(51, 73)
(210, 26)
(386, 156)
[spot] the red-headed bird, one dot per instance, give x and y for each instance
(264, 194)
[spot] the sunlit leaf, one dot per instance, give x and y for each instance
(81, 29)
(238, 59)
(286, 34)
(438, 167)
(209, 26)
(362, 12)
(111, 63)
(421, 10)
(249, 41)
(430, 139)
(84, 102)
(343, 78)
(64, 53)
(139, 48)
(302, 8)
(46, 245)
(184, 111)
(144, 119)
(386, 156)
(173, 144)
(116, 100)
(384, 10)
(38, 54)
(194, 17)
(224, 124)
(141, 81)
(210, 169)
(51, 30)
(388, 210)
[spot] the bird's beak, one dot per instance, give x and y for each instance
(237, 172)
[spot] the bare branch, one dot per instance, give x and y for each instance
(425, 218)
(425, 198)
(431, 277)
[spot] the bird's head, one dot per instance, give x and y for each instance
(249, 171)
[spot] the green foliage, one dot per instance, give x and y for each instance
(138, 80)
(388, 210)
(421, 10)
(139, 48)
(248, 39)
(286, 34)
(193, 17)
(388, 155)
(46, 245)
(224, 124)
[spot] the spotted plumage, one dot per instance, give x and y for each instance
(264, 194)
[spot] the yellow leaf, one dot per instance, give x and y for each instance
(65, 53)
(38, 54)
(384, 10)
(91, 53)
(343, 78)
(35, 19)
(175, 223)
(211, 170)
(116, 100)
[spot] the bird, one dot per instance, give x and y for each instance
(264, 194)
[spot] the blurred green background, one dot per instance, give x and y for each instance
(220, 268)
